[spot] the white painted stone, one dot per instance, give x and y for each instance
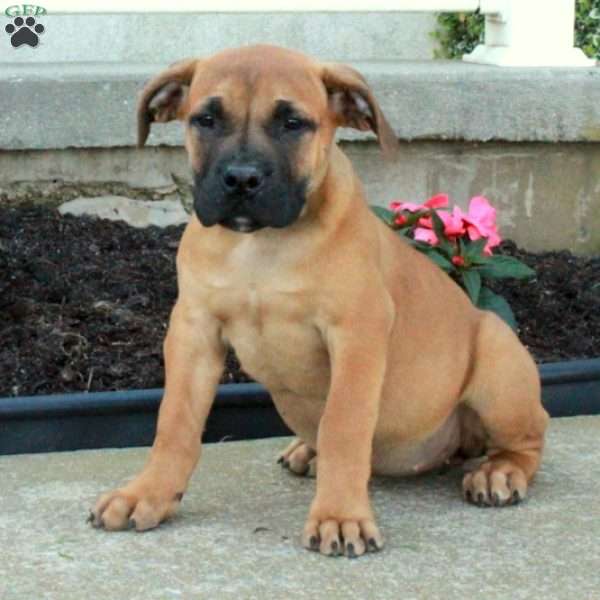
(137, 213)
(511, 41)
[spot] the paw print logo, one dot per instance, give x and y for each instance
(24, 32)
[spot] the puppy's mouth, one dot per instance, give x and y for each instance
(241, 224)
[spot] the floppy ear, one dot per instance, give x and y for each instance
(163, 97)
(353, 104)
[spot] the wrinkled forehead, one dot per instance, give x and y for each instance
(252, 85)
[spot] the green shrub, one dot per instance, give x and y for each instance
(587, 27)
(459, 33)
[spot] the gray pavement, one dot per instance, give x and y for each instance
(237, 535)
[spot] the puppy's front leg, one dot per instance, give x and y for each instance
(194, 357)
(340, 518)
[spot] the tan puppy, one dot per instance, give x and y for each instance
(374, 357)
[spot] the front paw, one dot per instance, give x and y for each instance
(142, 504)
(351, 535)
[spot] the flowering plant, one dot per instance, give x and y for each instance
(461, 244)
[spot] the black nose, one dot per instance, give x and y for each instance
(243, 179)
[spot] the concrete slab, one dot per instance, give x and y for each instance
(237, 533)
(447, 100)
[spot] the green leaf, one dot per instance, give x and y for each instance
(423, 247)
(504, 267)
(438, 224)
(409, 240)
(439, 260)
(386, 215)
(474, 251)
(488, 300)
(440, 231)
(472, 281)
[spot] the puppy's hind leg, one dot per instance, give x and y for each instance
(504, 391)
(299, 458)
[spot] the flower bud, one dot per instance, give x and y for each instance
(458, 261)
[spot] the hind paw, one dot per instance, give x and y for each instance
(495, 484)
(299, 458)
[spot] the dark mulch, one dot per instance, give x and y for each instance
(85, 303)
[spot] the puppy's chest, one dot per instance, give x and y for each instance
(270, 324)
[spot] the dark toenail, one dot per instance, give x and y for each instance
(179, 496)
(334, 547)
(132, 524)
(373, 545)
(285, 464)
(280, 460)
(314, 542)
(90, 518)
(469, 496)
(495, 499)
(516, 497)
(350, 551)
(480, 498)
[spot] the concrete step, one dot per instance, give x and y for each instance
(157, 38)
(237, 535)
(446, 100)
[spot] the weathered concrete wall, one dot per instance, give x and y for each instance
(547, 195)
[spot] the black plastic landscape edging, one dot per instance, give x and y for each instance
(126, 418)
(81, 421)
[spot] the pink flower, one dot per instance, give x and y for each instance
(428, 236)
(453, 222)
(458, 261)
(480, 223)
(435, 202)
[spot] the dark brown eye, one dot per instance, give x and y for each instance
(206, 121)
(292, 124)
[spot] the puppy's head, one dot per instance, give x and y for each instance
(260, 122)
